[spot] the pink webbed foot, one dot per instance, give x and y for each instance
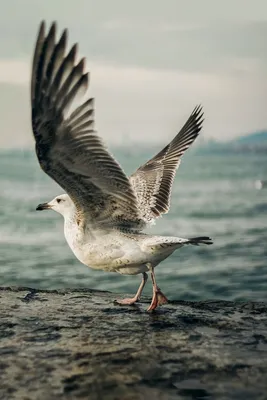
(136, 298)
(127, 301)
(158, 299)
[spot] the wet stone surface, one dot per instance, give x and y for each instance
(72, 344)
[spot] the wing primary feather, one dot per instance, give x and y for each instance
(87, 105)
(153, 181)
(87, 116)
(63, 71)
(36, 57)
(67, 146)
(57, 57)
(45, 56)
(81, 85)
(72, 79)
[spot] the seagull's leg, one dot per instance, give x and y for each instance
(158, 297)
(134, 299)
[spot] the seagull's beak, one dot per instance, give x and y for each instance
(44, 206)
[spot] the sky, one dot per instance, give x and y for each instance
(150, 63)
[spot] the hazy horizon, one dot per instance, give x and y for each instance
(150, 64)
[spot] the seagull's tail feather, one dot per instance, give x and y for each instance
(162, 244)
(200, 240)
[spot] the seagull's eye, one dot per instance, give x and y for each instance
(58, 200)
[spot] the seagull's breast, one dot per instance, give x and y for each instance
(75, 238)
(109, 251)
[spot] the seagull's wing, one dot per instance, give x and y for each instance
(152, 182)
(67, 147)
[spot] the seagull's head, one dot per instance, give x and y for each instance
(61, 204)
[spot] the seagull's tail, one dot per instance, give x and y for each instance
(200, 240)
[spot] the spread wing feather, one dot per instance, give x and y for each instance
(67, 147)
(153, 181)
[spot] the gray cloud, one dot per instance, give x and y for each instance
(131, 38)
(151, 62)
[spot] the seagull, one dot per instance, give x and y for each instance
(104, 211)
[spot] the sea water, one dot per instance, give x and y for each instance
(213, 195)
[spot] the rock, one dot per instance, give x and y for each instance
(76, 344)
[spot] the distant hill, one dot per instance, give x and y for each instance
(257, 137)
(254, 142)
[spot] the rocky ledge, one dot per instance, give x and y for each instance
(69, 344)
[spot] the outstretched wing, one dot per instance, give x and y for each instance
(153, 181)
(67, 147)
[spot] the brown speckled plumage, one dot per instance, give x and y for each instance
(153, 181)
